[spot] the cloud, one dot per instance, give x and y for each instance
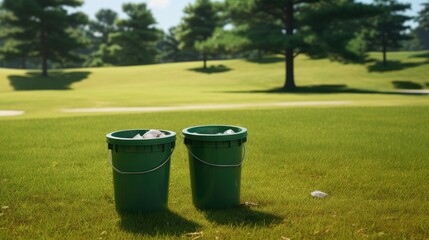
(159, 3)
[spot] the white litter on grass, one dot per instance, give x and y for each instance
(153, 134)
(229, 131)
(318, 194)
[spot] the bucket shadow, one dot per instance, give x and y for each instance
(160, 223)
(242, 216)
(55, 81)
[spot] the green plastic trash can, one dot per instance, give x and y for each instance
(215, 164)
(141, 170)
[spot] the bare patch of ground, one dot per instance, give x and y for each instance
(8, 113)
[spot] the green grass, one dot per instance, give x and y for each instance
(372, 162)
(371, 157)
(243, 82)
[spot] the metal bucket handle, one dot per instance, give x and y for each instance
(219, 165)
(144, 172)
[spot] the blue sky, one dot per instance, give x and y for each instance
(166, 12)
(169, 12)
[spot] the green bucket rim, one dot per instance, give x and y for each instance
(189, 133)
(112, 137)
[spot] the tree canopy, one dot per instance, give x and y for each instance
(43, 29)
(136, 36)
(103, 25)
(100, 49)
(422, 30)
(199, 23)
(387, 30)
(49, 33)
(291, 27)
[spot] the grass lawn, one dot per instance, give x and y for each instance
(233, 81)
(372, 161)
(370, 157)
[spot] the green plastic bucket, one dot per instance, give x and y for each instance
(141, 170)
(215, 164)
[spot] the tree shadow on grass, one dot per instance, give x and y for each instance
(406, 85)
(161, 223)
(420, 55)
(323, 89)
(266, 60)
(55, 81)
(378, 66)
(212, 69)
(242, 216)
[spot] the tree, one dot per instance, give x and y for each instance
(136, 36)
(170, 51)
(103, 26)
(17, 48)
(46, 26)
(313, 27)
(199, 23)
(388, 29)
(169, 46)
(422, 30)
(100, 50)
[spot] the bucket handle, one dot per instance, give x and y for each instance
(219, 165)
(144, 172)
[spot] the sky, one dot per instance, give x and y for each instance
(169, 12)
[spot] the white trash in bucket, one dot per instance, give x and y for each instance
(229, 131)
(138, 136)
(153, 134)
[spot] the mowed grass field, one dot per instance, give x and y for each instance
(233, 81)
(371, 157)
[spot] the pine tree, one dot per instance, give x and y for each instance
(17, 48)
(46, 26)
(199, 23)
(101, 52)
(422, 30)
(292, 27)
(388, 29)
(103, 25)
(136, 37)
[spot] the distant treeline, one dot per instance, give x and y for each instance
(46, 34)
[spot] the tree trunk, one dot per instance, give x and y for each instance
(24, 62)
(288, 21)
(384, 43)
(204, 61)
(384, 56)
(44, 52)
(290, 78)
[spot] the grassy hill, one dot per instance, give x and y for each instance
(233, 81)
(371, 156)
